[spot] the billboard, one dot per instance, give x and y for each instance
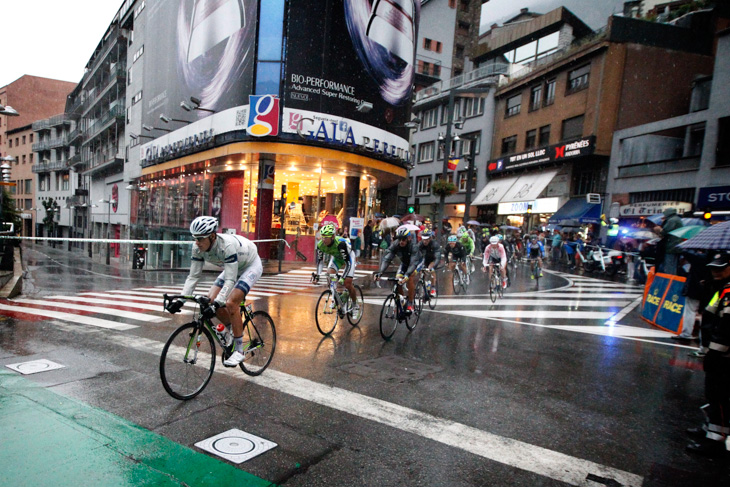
(543, 155)
(199, 49)
(344, 54)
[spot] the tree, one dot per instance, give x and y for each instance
(51, 209)
(9, 213)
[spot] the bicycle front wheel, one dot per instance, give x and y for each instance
(418, 299)
(457, 282)
(434, 297)
(261, 333)
(326, 316)
(389, 317)
(353, 318)
(187, 361)
(492, 288)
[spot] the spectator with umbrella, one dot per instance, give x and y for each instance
(668, 245)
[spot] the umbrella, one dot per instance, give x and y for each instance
(638, 233)
(389, 222)
(330, 219)
(508, 227)
(472, 222)
(688, 231)
(695, 221)
(717, 237)
(657, 220)
(413, 217)
(379, 215)
(409, 227)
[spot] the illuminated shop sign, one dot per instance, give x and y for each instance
(553, 153)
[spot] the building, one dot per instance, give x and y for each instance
(34, 98)
(219, 121)
(567, 92)
(683, 161)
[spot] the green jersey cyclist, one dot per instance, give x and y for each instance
(241, 269)
(341, 257)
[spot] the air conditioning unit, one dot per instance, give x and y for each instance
(593, 198)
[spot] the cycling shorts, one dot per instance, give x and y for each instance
(403, 268)
(333, 265)
(534, 253)
(495, 260)
(249, 276)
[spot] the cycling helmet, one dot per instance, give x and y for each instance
(485, 231)
(494, 240)
(426, 234)
(533, 237)
(204, 226)
(461, 232)
(328, 230)
(402, 233)
(452, 238)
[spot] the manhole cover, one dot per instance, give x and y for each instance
(235, 445)
(391, 369)
(27, 368)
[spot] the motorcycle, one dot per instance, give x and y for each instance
(605, 260)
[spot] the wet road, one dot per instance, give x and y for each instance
(561, 385)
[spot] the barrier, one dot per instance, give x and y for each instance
(663, 303)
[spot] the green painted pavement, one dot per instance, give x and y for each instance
(49, 439)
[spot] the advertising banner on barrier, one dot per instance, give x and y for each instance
(663, 304)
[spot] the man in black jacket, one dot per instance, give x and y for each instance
(692, 291)
(367, 234)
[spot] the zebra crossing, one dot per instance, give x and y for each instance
(125, 309)
(583, 305)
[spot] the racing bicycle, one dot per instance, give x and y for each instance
(188, 357)
(495, 282)
(427, 282)
(332, 305)
(394, 310)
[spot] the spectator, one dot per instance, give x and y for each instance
(696, 272)
(668, 245)
(367, 234)
(556, 244)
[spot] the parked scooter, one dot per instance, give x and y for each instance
(604, 260)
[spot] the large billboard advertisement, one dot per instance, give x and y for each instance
(203, 49)
(346, 54)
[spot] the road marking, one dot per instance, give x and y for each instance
(574, 303)
(94, 309)
(533, 314)
(178, 290)
(625, 311)
(507, 451)
(127, 304)
(562, 294)
(615, 330)
(74, 318)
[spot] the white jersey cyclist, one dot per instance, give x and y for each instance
(232, 252)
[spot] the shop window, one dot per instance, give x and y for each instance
(425, 152)
(722, 152)
(509, 145)
(423, 185)
(535, 97)
(544, 135)
(513, 106)
(573, 127)
(578, 79)
(530, 139)
(549, 93)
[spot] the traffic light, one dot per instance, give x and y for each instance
(411, 209)
(707, 216)
(417, 205)
(529, 208)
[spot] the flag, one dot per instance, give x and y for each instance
(453, 163)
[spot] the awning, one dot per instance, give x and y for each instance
(494, 191)
(529, 186)
(577, 210)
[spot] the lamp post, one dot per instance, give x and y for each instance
(109, 203)
(70, 224)
(469, 176)
(6, 169)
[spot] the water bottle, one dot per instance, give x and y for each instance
(223, 334)
(344, 297)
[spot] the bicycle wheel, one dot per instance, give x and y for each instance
(457, 281)
(417, 305)
(433, 297)
(500, 288)
(354, 320)
(261, 333)
(326, 315)
(187, 361)
(492, 288)
(389, 317)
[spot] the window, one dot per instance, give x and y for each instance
(573, 127)
(28, 183)
(129, 76)
(445, 113)
(459, 52)
(31, 138)
(722, 153)
(463, 177)
(544, 135)
(578, 79)
(129, 115)
(139, 9)
(441, 149)
(10, 142)
(470, 141)
(24, 140)
(428, 118)
(423, 185)
(431, 45)
(30, 158)
(464, 5)
(535, 97)
(530, 139)
(138, 54)
(137, 98)
(473, 107)
(513, 106)
(28, 204)
(425, 152)
(452, 3)
(696, 140)
(44, 182)
(64, 181)
(549, 92)
(509, 144)
(462, 28)
(23, 158)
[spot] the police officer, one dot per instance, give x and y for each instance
(711, 437)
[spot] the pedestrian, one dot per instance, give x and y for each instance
(367, 234)
(556, 244)
(668, 244)
(711, 437)
(695, 271)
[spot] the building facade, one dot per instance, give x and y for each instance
(34, 98)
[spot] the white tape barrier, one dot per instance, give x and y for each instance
(105, 240)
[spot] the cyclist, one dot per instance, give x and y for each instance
(406, 248)
(466, 241)
(535, 250)
(341, 255)
(485, 238)
(494, 253)
(242, 267)
(459, 253)
(431, 256)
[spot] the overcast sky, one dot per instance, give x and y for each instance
(55, 38)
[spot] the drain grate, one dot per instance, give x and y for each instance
(391, 369)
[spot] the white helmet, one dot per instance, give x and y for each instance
(494, 240)
(203, 226)
(402, 232)
(461, 232)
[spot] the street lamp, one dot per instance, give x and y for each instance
(167, 119)
(109, 203)
(150, 129)
(6, 168)
(195, 105)
(138, 136)
(89, 223)
(8, 111)
(71, 223)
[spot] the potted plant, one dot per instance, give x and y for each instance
(443, 187)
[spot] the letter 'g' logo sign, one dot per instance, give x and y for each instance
(263, 115)
(559, 152)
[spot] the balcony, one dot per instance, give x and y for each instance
(462, 80)
(653, 168)
(59, 120)
(118, 74)
(41, 125)
(97, 127)
(49, 166)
